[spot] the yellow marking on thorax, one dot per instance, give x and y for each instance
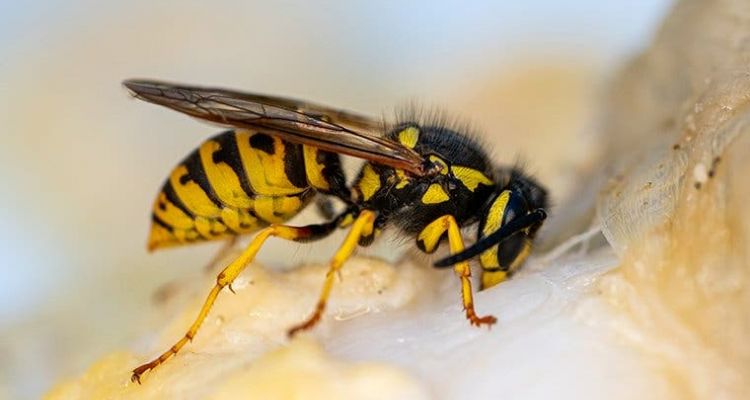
(265, 171)
(313, 169)
(470, 177)
(223, 180)
(409, 137)
(192, 195)
(439, 161)
(494, 220)
(369, 183)
(403, 180)
(435, 195)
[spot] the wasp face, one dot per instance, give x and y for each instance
(520, 196)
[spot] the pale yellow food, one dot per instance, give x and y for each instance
(676, 208)
(242, 349)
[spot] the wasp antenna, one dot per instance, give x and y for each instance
(495, 238)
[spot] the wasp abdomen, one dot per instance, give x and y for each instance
(234, 183)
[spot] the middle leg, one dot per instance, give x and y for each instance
(362, 226)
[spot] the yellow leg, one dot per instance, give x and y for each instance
(227, 276)
(428, 240)
(362, 226)
(463, 271)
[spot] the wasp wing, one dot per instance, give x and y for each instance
(319, 126)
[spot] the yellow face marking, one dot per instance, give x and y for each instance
(265, 171)
(370, 182)
(488, 259)
(435, 195)
(431, 234)
(522, 255)
(403, 180)
(313, 169)
(470, 177)
(492, 278)
(439, 161)
(409, 137)
(191, 194)
(223, 180)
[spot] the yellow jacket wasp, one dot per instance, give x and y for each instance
(428, 181)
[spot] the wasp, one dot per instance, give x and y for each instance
(427, 181)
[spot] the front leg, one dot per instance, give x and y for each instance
(428, 241)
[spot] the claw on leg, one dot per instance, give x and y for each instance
(463, 271)
(229, 274)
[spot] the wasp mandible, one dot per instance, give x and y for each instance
(426, 180)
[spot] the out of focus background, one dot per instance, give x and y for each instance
(80, 161)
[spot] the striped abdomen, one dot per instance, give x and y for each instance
(235, 183)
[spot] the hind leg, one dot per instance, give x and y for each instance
(230, 273)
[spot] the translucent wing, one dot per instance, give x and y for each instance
(325, 128)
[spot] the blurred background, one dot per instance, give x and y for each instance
(80, 161)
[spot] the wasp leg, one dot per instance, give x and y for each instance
(362, 226)
(224, 250)
(228, 275)
(428, 241)
(463, 271)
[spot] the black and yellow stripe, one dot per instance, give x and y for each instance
(235, 183)
(500, 261)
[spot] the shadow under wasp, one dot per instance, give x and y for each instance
(426, 180)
